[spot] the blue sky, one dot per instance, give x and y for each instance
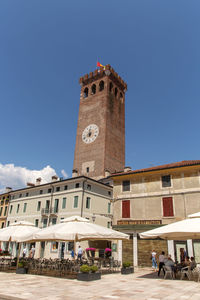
(47, 45)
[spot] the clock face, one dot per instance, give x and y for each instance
(90, 133)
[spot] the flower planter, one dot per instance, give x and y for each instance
(126, 271)
(21, 270)
(88, 276)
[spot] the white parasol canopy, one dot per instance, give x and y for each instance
(16, 231)
(75, 229)
(182, 230)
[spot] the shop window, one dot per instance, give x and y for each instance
(168, 207)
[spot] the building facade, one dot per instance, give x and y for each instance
(147, 198)
(100, 139)
(47, 204)
(4, 203)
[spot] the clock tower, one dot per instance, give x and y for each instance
(100, 139)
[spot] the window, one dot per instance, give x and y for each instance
(11, 207)
(116, 91)
(126, 186)
(18, 205)
(36, 222)
(5, 210)
(41, 192)
(109, 193)
(88, 202)
(49, 190)
(2, 225)
(101, 86)
(166, 181)
(25, 205)
(85, 93)
(87, 170)
(57, 189)
(126, 209)
(38, 205)
(109, 224)
(26, 194)
(121, 97)
(168, 207)
(66, 187)
(53, 221)
(64, 203)
(47, 205)
(56, 205)
(109, 206)
(75, 201)
(110, 87)
(20, 195)
(44, 223)
(13, 197)
(89, 187)
(77, 185)
(1, 211)
(93, 89)
(8, 223)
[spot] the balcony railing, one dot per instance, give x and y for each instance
(49, 211)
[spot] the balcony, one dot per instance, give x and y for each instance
(49, 211)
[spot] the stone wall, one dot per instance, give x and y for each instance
(145, 248)
(127, 251)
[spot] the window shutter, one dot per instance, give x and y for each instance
(168, 207)
(126, 209)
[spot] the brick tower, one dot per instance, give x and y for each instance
(100, 139)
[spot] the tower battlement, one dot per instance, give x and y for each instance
(103, 71)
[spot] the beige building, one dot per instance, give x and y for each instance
(4, 203)
(48, 204)
(147, 198)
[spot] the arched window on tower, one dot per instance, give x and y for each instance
(121, 97)
(85, 93)
(116, 91)
(110, 87)
(93, 89)
(101, 85)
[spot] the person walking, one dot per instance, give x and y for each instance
(24, 252)
(153, 258)
(80, 253)
(161, 258)
(32, 251)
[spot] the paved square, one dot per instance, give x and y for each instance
(136, 286)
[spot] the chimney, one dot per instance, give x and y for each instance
(29, 184)
(127, 169)
(8, 189)
(54, 178)
(38, 181)
(74, 173)
(107, 173)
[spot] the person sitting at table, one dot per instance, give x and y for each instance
(170, 263)
(193, 263)
(187, 261)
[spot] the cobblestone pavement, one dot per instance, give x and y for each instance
(141, 285)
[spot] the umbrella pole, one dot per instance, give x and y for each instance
(18, 254)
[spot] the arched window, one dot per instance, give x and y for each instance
(110, 87)
(93, 89)
(116, 91)
(101, 85)
(121, 97)
(85, 93)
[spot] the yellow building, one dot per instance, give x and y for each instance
(151, 197)
(4, 203)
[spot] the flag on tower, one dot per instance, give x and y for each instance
(100, 65)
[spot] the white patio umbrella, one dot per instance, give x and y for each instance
(16, 231)
(182, 230)
(75, 229)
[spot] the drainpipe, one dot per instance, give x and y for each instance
(52, 191)
(83, 197)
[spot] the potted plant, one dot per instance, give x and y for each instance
(127, 268)
(108, 252)
(22, 267)
(88, 273)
